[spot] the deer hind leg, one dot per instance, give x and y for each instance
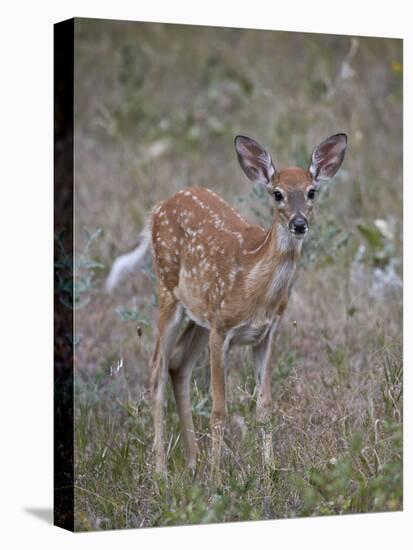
(169, 322)
(188, 348)
(217, 359)
(261, 357)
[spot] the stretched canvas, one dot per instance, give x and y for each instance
(228, 274)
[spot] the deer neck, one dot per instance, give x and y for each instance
(273, 265)
(277, 245)
(283, 243)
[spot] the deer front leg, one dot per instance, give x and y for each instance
(216, 346)
(261, 356)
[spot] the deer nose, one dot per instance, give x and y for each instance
(298, 225)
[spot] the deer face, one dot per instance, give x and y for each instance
(293, 189)
(294, 193)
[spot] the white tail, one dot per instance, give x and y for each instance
(129, 263)
(231, 278)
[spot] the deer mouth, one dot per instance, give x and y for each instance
(299, 235)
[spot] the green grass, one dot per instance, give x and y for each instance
(157, 109)
(332, 456)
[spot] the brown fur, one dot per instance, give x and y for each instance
(232, 279)
(205, 265)
(205, 255)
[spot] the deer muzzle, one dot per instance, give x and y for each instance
(298, 226)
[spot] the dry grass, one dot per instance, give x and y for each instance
(157, 108)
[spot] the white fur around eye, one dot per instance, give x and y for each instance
(279, 203)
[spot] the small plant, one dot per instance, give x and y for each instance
(132, 314)
(75, 277)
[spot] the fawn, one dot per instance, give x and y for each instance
(232, 280)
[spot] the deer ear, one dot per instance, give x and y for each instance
(254, 160)
(327, 157)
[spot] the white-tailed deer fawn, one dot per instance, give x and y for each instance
(231, 278)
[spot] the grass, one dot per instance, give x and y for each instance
(157, 108)
(338, 448)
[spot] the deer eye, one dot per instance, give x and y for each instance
(278, 196)
(311, 194)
